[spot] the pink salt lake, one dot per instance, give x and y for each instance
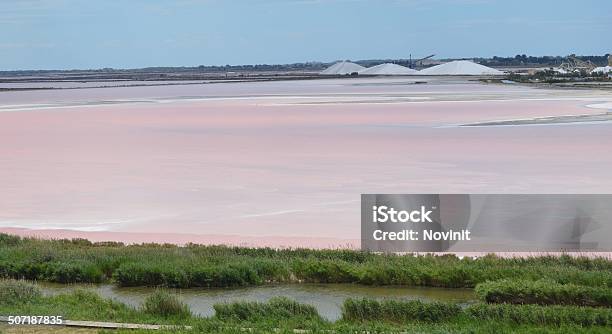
(279, 163)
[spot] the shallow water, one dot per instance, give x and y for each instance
(91, 84)
(327, 298)
(565, 120)
(282, 162)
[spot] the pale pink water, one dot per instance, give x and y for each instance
(281, 159)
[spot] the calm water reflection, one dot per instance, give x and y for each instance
(327, 298)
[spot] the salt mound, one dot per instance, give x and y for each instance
(602, 69)
(460, 67)
(560, 70)
(342, 67)
(388, 69)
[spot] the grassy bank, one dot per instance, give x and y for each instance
(286, 315)
(73, 261)
(277, 308)
(543, 292)
(398, 311)
(413, 310)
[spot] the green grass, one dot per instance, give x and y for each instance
(12, 291)
(417, 311)
(78, 305)
(554, 315)
(279, 308)
(381, 328)
(73, 261)
(397, 311)
(539, 280)
(165, 304)
(543, 292)
(286, 315)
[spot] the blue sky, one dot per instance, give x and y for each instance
(68, 34)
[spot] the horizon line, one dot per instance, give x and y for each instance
(284, 64)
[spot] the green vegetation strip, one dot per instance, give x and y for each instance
(78, 260)
(543, 292)
(398, 311)
(406, 311)
(24, 298)
(278, 308)
(542, 315)
(164, 308)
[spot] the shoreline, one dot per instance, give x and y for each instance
(181, 239)
(277, 242)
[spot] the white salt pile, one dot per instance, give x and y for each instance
(602, 69)
(460, 67)
(342, 67)
(388, 69)
(560, 70)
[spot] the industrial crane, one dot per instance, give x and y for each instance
(572, 63)
(412, 64)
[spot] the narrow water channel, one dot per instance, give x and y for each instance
(326, 298)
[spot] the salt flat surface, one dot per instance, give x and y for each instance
(91, 84)
(281, 159)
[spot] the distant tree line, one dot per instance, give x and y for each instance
(518, 60)
(524, 60)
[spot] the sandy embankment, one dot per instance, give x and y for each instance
(551, 120)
